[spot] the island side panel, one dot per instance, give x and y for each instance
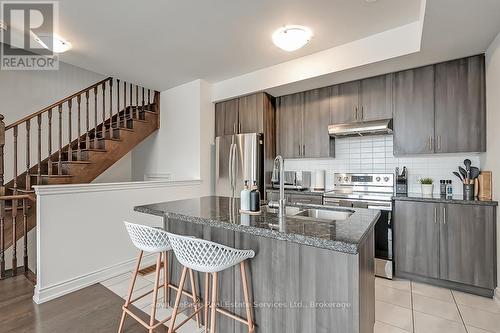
(367, 284)
(296, 276)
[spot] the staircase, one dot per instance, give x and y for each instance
(69, 142)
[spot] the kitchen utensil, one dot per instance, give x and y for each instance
(467, 164)
(474, 172)
(458, 175)
(476, 187)
(462, 172)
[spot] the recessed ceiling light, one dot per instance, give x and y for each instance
(292, 37)
(58, 44)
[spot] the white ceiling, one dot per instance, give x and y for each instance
(164, 43)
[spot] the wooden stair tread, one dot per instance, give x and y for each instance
(24, 191)
(72, 162)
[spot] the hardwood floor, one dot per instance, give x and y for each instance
(93, 309)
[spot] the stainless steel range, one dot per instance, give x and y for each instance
(371, 191)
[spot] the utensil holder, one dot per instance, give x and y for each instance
(468, 191)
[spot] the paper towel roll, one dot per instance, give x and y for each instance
(319, 183)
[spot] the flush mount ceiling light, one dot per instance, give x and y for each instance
(292, 37)
(58, 44)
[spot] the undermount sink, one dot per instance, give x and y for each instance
(289, 210)
(324, 214)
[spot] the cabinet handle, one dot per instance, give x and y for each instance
(239, 128)
(430, 142)
(439, 143)
(444, 215)
(299, 150)
(356, 112)
(234, 128)
(362, 112)
(435, 215)
(304, 150)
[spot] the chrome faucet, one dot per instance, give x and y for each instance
(278, 171)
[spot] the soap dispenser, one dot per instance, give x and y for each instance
(245, 198)
(255, 198)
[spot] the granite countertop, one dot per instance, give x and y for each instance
(457, 199)
(306, 191)
(223, 212)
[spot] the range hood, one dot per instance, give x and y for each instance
(364, 128)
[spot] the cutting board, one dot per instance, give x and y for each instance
(485, 184)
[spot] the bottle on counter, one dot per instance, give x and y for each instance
(442, 187)
(254, 198)
(245, 198)
(449, 189)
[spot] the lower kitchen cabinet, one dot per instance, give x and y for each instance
(416, 238)
(452, 245)
(467, 245)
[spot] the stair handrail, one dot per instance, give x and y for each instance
(56, 104)
(114, 112)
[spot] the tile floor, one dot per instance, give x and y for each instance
(400, 307)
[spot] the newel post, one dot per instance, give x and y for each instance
(156, 102)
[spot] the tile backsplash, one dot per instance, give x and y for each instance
(373, 154)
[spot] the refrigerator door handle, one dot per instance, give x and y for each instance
(231, 166)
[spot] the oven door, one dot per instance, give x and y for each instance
(383, 231)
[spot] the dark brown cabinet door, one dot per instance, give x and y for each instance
(316, 120)
(251, 113)
(414, 111)
(416, 238)
(290, 109)
(376, 98)
(226, 117)
(345, 103)
(460, 106)
(467, 245)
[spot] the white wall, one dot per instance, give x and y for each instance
(181, 148)
(121, 171)
(373, 154)
(83, 241)
(492, 158)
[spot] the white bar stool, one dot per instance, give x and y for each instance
(154, 240)
(210, 258)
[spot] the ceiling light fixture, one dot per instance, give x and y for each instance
(292, 37)
(58, 44)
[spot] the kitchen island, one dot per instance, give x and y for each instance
(309, 274)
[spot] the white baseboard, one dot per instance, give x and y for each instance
(46, 294)
(497, 294)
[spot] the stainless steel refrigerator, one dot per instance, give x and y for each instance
(239, 157)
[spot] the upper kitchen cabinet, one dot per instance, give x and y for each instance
(316, 140)
(303, 119)
(460, 106)
(414, 111)
(247, 114)
(345, 102)
(226, 117)
(289, 110)
(376, 98)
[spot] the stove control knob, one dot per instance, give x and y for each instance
(339, 179)
(346, 179)
(377, 179)
(386, 179)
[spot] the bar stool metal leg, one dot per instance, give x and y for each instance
(166, 279)
(206, 298)
(177, 300)
(131, 289)
(193, 297)
(155, 293)
(247, 298)
(214, 302)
